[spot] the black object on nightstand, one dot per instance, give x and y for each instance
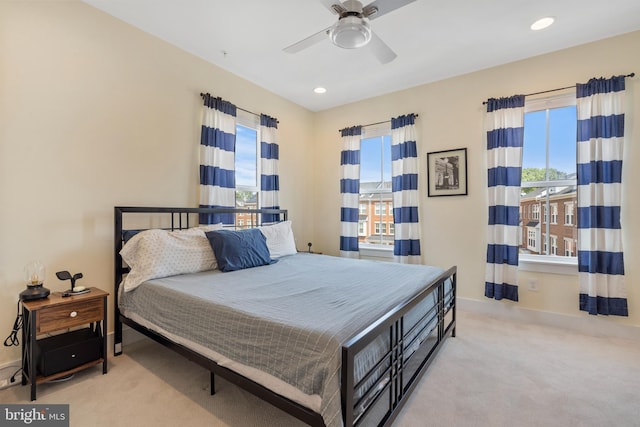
(75, 290)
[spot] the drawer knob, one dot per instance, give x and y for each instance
(73, 314)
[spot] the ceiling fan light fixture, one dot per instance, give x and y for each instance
(351, 32)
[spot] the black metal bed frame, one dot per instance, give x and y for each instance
(400, 368)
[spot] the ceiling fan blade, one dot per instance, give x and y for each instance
(381, 50)
(329, 4)
(384, 7)
(308, 42)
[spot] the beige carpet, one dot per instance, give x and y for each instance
(491, 374)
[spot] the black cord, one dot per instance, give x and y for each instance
(12, 339)
(15, 374)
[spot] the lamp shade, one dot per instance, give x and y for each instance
(34, 273)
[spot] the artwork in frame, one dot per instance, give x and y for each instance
(447, 173)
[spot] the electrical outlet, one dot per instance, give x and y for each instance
(533, 285)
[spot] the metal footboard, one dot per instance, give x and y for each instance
(411, 347)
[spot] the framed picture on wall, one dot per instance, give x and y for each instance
(447, 173)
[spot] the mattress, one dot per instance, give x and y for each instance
(281, 325)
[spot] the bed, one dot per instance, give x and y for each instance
(349, 357)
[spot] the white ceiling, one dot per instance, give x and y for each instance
(433, 39)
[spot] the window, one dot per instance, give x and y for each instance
(247, 163)
(568, 213)
(568, 247)
(535, 214)
(375, 188)
(381, 228)
(549, 177)
(532, 239)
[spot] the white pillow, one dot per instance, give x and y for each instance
(156, 253)
(280, 240)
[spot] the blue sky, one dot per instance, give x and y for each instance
(371, 156)
(246, 155)
(562, 139)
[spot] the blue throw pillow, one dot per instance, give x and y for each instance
(236, 250)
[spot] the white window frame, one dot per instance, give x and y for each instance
(549, 263)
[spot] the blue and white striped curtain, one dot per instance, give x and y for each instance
(217, 159)
(350, 191)
(505, 137)
(600, 108)
(404, 185)
(269, 179)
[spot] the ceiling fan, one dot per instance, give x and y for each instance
(352, 30)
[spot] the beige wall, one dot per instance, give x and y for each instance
(451, 116)
(93, 114)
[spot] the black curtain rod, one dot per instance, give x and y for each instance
(241, 109)
(378, 123)
(555, 90)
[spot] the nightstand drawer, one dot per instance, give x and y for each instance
(64, 316)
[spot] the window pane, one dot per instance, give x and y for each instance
(370, 160)
(376, 206)
(547, 218)
(246, 156)
(246, 200)
(562, 142)
(376, 219)
(534, 153)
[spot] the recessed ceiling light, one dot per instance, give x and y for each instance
(320, 90)
(542, 23)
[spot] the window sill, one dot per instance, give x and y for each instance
(548, 264)
(376, 251)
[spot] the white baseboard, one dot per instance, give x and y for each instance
(598, 326)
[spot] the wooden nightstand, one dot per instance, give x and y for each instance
(56, 314)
